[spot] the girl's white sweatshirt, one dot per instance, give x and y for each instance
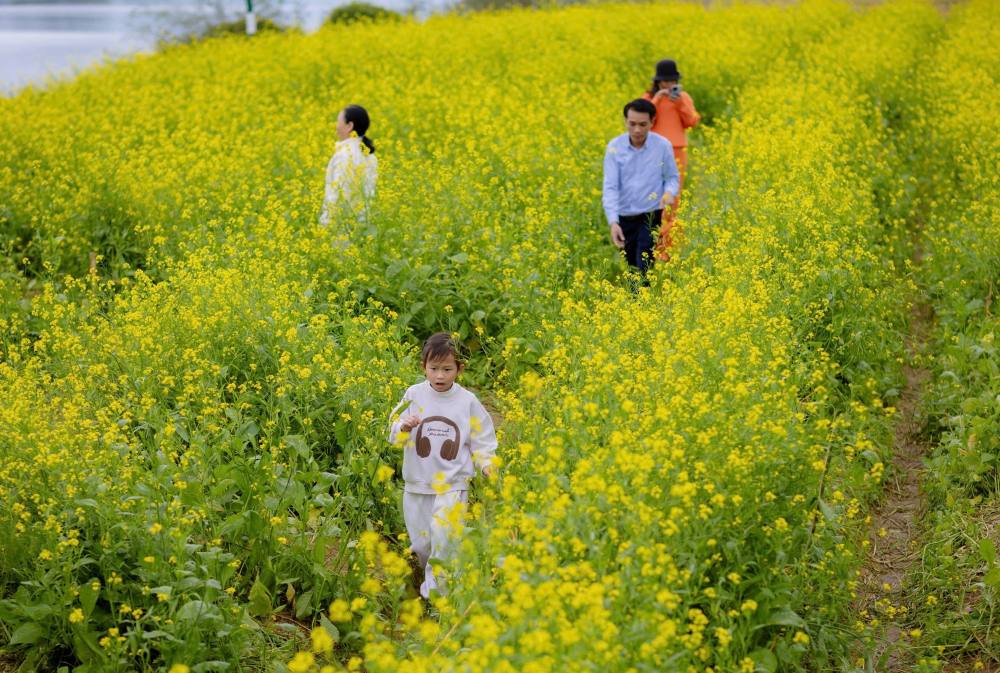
(350, 180)
(455, 435)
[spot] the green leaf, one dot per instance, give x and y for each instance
(340, 431)
(303, 605)
(293, 490)
(987, 550)
(189, 583)
(784, 617)
(233, 524)
(993, 577)
(260, 600)
(199, 612)
(37, 613)
(88, 597)
(764, 661)
(829, 513)
(85, 646)
(330, 628)
(27, 634)
(249, 431)
(297, 443)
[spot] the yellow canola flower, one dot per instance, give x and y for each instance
(439, 484)
(302, 662)
(384, 473)
(340, 611)
(322, 641)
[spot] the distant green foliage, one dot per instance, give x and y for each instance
(361, 11)
(483, 5)
(239, 27)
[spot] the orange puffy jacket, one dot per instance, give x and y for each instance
(674, 117)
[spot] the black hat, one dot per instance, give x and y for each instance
(666, 70)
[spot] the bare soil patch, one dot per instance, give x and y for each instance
(895, 531)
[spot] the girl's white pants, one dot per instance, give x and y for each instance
(433, 524)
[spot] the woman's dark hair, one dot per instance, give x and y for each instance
(357, 115)
(655, 86)
(640, 105)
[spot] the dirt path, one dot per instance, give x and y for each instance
(895, 530)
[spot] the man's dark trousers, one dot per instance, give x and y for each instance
(638, 232)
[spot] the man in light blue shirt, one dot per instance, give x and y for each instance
(640, 180)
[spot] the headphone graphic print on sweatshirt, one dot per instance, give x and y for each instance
(449, 447)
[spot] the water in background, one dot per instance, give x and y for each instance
(58, 38)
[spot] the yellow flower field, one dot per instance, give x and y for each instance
(197, 376)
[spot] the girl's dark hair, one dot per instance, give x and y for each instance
(357, 115)
(654, 87)
(439, 346)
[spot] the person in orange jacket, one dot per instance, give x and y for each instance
(675, 114)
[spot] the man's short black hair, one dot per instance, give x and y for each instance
(640, 105)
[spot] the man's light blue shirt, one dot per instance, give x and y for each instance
(635, 180)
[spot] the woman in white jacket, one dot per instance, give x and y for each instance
(353, 169)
